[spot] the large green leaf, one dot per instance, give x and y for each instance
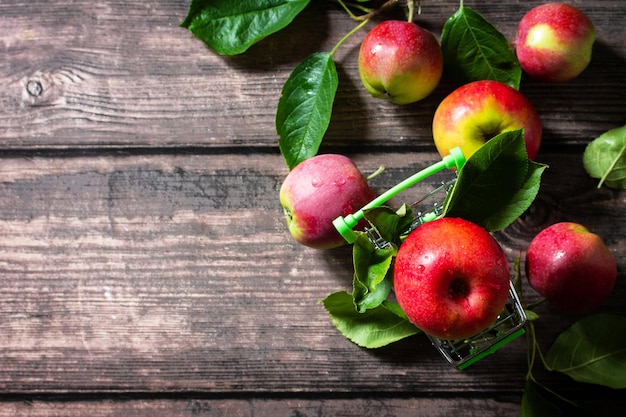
(230, 27)
(516, 205)
(538, 401)
(372, 329)
(305, 107)
(496, 184)
(605, 158)
(473, 49)
(593, 350)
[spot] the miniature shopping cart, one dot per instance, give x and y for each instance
(510, 323)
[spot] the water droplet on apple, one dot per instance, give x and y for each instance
(421, 268)
(317, 182)
(339, 182)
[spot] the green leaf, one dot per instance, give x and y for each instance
(605, 158)
(473, 49)
(497, 183)
(593, 350)
(371, 285)
(372, 329)
(538, 401)
(519, 202)
(231, 27)
(305, 107)
(390, 224)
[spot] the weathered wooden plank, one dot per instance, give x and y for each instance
(122, 73)
(265, 407)
(170, 273)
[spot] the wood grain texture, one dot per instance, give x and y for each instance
(123, 73)
(176, 273)
(264, 407)
(145, 261)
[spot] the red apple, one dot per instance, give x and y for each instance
(400, 61)
(451, 278)
(476, 112)
(554, 42)
(317, 191)
(571, 267)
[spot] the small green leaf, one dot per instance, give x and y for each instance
(497, 183)
(371, 285)
(372, 329)
(593, 350)
(605, 158)
(473, 49)
(531, 315)
(538, 401)
(305, 107)
(390, 224)
(231, 27)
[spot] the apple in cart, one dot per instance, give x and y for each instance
(571, 267)
(317, 191)
(480, 110)
(554, 42)
(451, 278)
(400, 61)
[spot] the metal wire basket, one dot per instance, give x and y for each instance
(508, 326)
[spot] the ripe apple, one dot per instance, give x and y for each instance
(554, 42)
(400, 61)
(317, 191)
(476, 112)
(571, 267)
(451, 278)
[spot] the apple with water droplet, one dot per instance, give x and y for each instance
(317, 191)
(400, 61)
(554, 42)
(451, 278)
(571, 267)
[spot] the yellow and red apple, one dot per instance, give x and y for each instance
(400, 61)
(480, 110)
(554, 42)
(451, 278)
(317, 191)
(571, 267)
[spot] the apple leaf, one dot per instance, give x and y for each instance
(538, 401)
(473, 49)
(515, 206)
(372, 329)
(231, 27)
(371, 284)
(605, 158)
(496, 185)
(592, 350)
(390, 224)
(305, 107)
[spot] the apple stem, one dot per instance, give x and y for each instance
(376, 173)
(411, 9)
(345, 38)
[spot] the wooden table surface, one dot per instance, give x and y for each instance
(145, 263)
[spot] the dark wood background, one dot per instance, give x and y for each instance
(145, 264)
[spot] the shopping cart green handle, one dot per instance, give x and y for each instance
(344, 225)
